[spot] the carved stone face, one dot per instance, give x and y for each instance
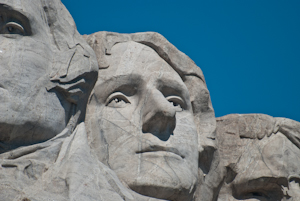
(140, 122)
(267, 170)
(28, 112)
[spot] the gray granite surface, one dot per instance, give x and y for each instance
(112, 117)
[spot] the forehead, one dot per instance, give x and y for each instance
(135, 58)
(274, 156)
(27, 7)
(31, 14)
(30, 9)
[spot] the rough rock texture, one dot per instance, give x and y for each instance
(47, 72)
(146, 131)
(261, 156)
(149, 117)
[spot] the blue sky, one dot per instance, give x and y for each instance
(248, 50)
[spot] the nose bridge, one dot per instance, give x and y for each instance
(158, 115)
(160, 103)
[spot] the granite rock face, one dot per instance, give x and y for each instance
(261, 157)
(149, 117)
(116, 117)
(47, 71)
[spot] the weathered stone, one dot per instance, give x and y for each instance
(146, 131)
(47, 71)
(144, 115)
(261, 157)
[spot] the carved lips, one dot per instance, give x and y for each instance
(158, 148)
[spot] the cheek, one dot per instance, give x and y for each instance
(24, 65)
(119, 125)
(185, 138)
(121, 135)
(7, 52)
(51, 109)
(113, 131)
(185, 129)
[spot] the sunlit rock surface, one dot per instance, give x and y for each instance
(112, 116)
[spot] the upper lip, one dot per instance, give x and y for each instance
(154, 148)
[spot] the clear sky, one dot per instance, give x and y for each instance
(249, 50)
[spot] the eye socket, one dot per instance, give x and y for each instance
(177, 103)
(256, 195)
(117, 100)
(13, 28)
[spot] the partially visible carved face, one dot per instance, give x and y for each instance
(28, 112)
(267, 170)
(140, 122)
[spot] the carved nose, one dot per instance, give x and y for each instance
(158, 116)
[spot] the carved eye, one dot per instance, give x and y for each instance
(13, 28)
(177, 103)
(257, 195)
(117, 100)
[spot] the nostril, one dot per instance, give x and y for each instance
(160, 125)
(159, 115)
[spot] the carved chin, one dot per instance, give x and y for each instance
(171, 180)
(168, 190)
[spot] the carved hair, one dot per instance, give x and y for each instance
(259, 126)
(74, 69)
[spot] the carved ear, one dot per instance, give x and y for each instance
(74, 90)
(70, 75)
(205, 120)
(74, 95)
(73, 59)
(204, 115)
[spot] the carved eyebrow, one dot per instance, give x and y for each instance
(261, 182)
(118, 83)
(268, 187)
(121, 79)
(8, 14)
(173, 86)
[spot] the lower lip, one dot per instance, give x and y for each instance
(161, 154)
